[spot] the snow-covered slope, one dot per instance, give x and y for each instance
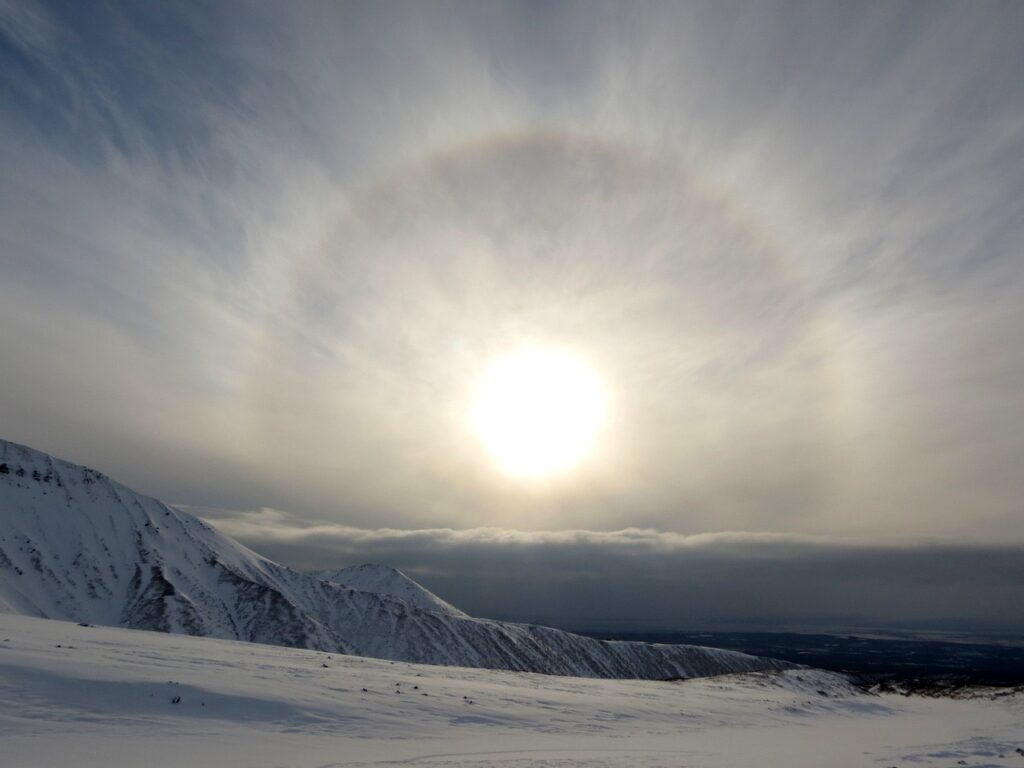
(385, 580)
(95, 697)
(76, 545)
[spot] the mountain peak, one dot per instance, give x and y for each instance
(384, 579)
(76, 545)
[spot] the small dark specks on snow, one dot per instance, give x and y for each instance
(415, 687)
(84, 624)
(176, 700)
(365, 691)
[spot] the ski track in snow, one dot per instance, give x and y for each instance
(97, 696)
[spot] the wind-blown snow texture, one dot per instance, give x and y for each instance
(76, 545)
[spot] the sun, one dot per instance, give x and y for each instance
(539, 410)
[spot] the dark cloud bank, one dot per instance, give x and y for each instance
(638, 578)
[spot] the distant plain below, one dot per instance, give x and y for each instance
(978, 660)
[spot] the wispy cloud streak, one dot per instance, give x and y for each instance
(255, 255)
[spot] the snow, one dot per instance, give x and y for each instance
(96, 696)
(384, 580)
(76, 545)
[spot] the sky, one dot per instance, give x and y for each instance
(256, 259)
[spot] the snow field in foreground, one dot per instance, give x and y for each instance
(95, 696)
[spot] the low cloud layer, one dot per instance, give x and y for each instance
(640, 578)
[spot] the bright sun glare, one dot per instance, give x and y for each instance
(538, 411)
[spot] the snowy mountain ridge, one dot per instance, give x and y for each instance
(385, 580)
(78, 546)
